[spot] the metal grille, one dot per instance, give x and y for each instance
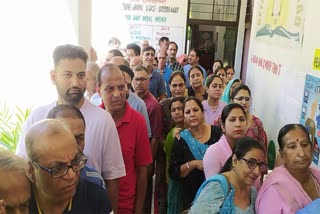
(214, 10)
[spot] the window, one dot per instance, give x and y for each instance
(215, 10)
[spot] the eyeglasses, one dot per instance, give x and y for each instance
(140, 79)
(176, 85)
(60, 171)
(252, 164)
(247, 99)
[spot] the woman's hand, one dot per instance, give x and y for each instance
(189, 166)
(176, 132)
(198, 164)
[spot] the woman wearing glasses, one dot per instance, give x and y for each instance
(242, 95)
(232, 190)
(177, 84)
(213, 105)
(232, 84)
(295, 184)
(233, 125)
(188, 149)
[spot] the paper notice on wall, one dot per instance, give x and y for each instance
(153, 19)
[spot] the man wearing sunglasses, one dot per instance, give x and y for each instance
(54, 171)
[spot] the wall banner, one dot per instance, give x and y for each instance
(310, 113)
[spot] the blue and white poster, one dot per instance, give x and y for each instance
(310, 113)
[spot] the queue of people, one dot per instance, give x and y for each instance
(115, 127)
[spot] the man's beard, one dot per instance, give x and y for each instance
(73, 98)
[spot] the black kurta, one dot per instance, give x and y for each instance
(180, 155)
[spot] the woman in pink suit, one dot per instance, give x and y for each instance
(233, 123)
(295, 184)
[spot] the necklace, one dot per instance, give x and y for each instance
(204, 132)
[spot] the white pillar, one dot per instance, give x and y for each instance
(81, 11)
(240, 38)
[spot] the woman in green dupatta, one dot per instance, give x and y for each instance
(174, 186)
(189, 148)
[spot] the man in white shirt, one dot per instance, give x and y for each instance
(103, 147)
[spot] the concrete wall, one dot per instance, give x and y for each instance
(277, 66)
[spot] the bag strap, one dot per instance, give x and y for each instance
(217, 178)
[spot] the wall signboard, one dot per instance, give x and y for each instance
(152, 19)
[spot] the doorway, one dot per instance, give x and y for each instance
(212, 28)
(214, 43)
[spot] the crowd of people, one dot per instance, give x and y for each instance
(148, 131)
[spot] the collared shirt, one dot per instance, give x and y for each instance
(166, 73)
(155, 115)
(100, 135)
(157, 85)
(176, 66)
(136, 152)
(138, 104)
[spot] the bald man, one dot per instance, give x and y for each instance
(91, 75)
(134, 101)
(144, 43)
(118, 60)
(135, 62)
(54, 168)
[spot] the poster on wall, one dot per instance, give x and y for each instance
(310, 113)
(153, 19)
(281, 22)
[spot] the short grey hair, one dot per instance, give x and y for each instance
(10, 162)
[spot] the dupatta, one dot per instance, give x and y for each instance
(197, 149)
